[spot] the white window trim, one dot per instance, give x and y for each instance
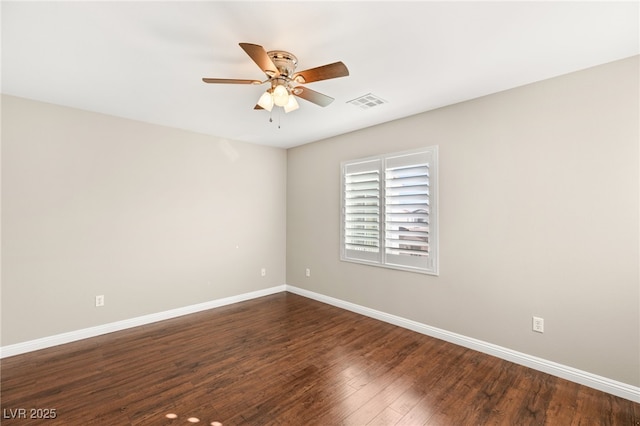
(428, 264)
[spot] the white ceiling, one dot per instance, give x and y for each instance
(145, 60)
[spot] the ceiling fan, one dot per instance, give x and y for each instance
(285, 83)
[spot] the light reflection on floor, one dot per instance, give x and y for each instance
(402, 397)
(174, 416)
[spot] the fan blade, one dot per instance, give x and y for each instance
(230, 81)
(312, 96)
(257, 107)
(325, 72)
(260, 57)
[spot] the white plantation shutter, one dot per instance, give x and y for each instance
(389, 212)
(362, 210)
(408, 211)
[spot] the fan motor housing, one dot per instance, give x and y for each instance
(285, 62)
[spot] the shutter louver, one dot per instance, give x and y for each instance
(361, 206)
(408, 211)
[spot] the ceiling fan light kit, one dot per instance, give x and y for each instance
(266, 101)
(291, 105)
(279, 67)
(280, 95)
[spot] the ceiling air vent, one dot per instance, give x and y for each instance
(367, 101)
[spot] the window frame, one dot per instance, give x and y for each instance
(383, 166)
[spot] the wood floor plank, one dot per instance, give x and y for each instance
(287, 360)
(375, 405)
(388, 416)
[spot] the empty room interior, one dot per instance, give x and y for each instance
(296, 213)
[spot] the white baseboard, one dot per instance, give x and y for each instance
(594, 381)
(604, 384)
(72, 336)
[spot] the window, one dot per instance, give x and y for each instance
(389, 211)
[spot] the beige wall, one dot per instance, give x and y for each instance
(539, 215)
(148, 216)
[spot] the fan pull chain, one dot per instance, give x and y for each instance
(278, 115)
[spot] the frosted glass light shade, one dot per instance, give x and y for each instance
(266, 101)
(280, 95)
(291, 105)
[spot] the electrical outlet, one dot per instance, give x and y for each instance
(100, 300)
(307, 272)
(538, 324)
(263, 272)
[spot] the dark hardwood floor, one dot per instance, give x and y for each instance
(287, 360)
